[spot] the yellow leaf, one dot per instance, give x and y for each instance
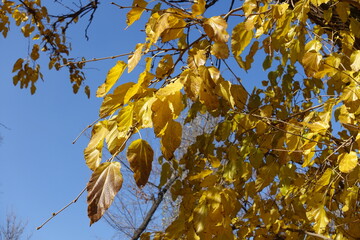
(311, 62)
(196, 58)
(171, 139)
(324, 180)
(215, 28)
(161, 115)
(135, 58)
(156, 26)
(125, 119)
(143, 111)
(240, 96)
(192, 84)
(241, 37)
(140, 156)
(93, 151)
(220, 50)
(169, 89)
(176, 103)
(249, 6)
(175, 29)
(201, 175)
(104, 184)
(111, 78)
(113, 101)
(355, 60)
(318, 215)
(279, 10)
(198, 8)
(165, 67)
(348, 161)
(115, 139)
(135, 13)
(223, 90)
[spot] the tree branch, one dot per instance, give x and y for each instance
(153, 208)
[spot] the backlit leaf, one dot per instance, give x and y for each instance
(355, 60)
(171, 139)
(113, 101)
(241, 37)
(140, 156)
(93, 152)
(318, 214)
(111, 78)
(220, 50)
(135, 58)
(135, 13)
(324, 179)
(104, 184)
(198, 8)
(348, 161)
(215, 28)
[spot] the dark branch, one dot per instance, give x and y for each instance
(153, 208)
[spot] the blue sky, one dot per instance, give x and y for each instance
(41, 169)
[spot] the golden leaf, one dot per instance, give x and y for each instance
(201, 175)
(161, 115)
(169, 89)
(318, 214)
(241, 37)
(115, 139)
(311, 62)
(171, 139)
(93, 152)
(355, 60)
(104, 184)
(220, 50)
(135, 58)
(348, 161)
(113, 101)
(140, 156)
(143, 111)
(215, 28)
(198, 8)
(165, 67)
(111, 78)
(175, 29)
(324, 180)
(135, 13)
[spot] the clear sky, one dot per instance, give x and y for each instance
(41, 170)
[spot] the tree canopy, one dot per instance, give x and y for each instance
(282, 159)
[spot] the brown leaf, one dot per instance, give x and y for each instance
(104, 184)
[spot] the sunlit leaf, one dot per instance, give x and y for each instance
(140, 156)
(171, 139)
(93, 152)
(348, 161)
(111, 78)
(215, 28)
(135, 13)
(135, 58)
(198, 8)
(104, 184)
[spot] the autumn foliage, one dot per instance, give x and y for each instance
(282, 161)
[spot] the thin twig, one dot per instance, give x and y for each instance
(87, 127)
(57, 213)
